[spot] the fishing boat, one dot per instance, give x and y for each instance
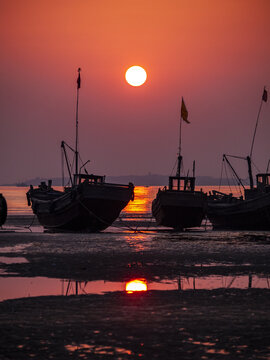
(3, 210)
(88, 204)
(250, 211)
(180, 206)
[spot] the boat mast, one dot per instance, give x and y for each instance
(264, 98)
(66, 158)
(250, 172)
(184, 116)
(225, 157)
(179, 159)
(77, 111)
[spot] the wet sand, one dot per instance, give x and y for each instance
(193, 324)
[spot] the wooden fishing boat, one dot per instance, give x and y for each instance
(180, 206)
(88, 204)
(91, 205)
(3, 210)
(250, 211)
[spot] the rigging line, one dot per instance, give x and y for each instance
(63, 169)
(235, 181)
(71, 167)
(255, 130)
(173, 167)
(256, 167)
(236, 157)
(69, 147)
(127, 226)
(29, 226)
(227, 178)
(221, 174)
(105, 222)
(267, 169)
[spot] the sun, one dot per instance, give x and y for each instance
(136, 75)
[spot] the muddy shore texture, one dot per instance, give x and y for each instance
(192, 324)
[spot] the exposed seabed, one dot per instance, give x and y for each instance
(208, 294)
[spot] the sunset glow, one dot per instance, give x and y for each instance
(136, 76)
(212, 53)
(140, 203)
(136, 285)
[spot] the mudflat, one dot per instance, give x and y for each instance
(222, 323)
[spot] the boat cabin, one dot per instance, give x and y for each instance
(263, 182)
(90, 179)
(263, 186)
(181, 183)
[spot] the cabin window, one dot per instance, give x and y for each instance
(181, 183)
(178, 184)
(264, 180)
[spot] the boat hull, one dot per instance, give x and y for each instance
(89, 208)
(179, 209)
(3, 210)
(252, 214)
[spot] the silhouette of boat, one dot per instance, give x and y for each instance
(179, 206)
(88, 204)
(3, 210)
(248, 212)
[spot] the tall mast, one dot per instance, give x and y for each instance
(264, 98)
(77, 111)
(250, 172)
(184, 116)
(179, 150)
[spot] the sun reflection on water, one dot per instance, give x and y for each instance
(142, 201)
(136, 286)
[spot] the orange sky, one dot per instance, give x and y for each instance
(214, 53)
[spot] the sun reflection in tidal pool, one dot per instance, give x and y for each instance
(136, 286)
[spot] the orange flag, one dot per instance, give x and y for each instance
(184, 112)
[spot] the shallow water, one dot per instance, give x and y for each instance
(165, 258)
(17, 203)
(19, 287)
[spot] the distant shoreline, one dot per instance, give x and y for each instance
(137, 180)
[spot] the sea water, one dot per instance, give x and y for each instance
(116, 240)
(144, 195)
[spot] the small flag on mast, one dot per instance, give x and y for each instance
(184, 112)
(79, 79)
(264, 97)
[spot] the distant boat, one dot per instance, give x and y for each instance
(3, 210)
(89, 204)
(248, 212)
(179, 206)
